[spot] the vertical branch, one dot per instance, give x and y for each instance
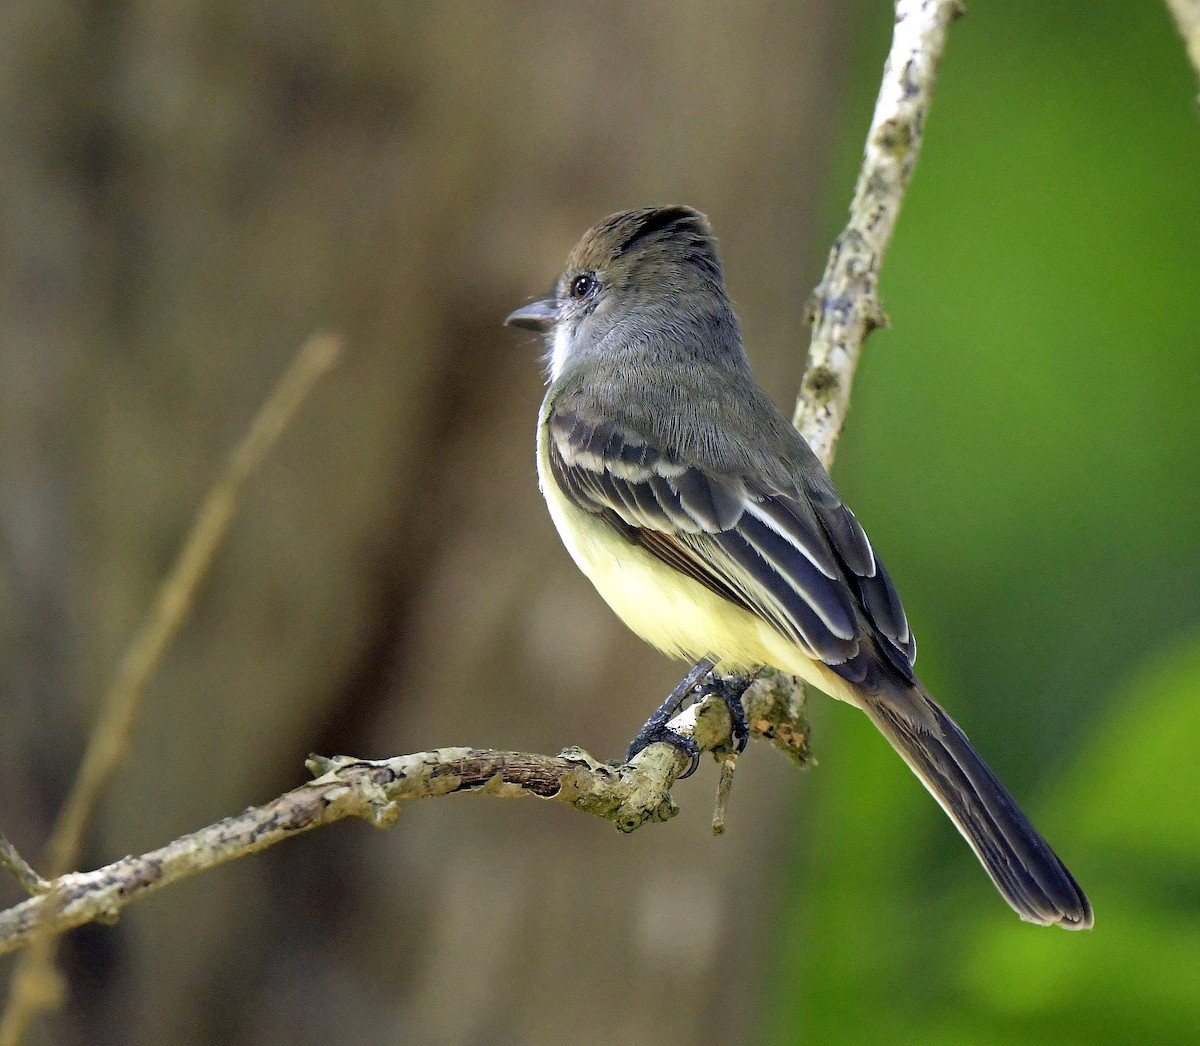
(845, 307)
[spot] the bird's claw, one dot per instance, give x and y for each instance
(730, 690)
(653, 732)
(699, 679)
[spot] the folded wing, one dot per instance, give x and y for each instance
(796, 558)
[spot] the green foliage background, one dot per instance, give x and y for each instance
(1023, 449)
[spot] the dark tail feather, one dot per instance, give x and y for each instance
(1022, 865)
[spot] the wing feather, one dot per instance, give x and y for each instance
(798, 559)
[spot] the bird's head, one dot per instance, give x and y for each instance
(648, 269)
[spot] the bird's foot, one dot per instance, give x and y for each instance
(699, 680)
(730, 690)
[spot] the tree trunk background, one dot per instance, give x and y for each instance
(187, 192)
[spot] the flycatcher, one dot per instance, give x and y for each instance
(707, 523)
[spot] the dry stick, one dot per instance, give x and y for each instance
(35, 984)
(845, 311)
(724, 787)
(844, 308)
(629, 796)
(1187, 19)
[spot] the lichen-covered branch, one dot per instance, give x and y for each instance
(1187, 18)
(628, 795)
(845, 307)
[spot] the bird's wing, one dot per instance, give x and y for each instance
(797, 559)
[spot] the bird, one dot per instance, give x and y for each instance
(707, 523)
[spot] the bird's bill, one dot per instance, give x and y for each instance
(536, 316)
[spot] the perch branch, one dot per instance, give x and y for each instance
(629, 796)
(844, 308)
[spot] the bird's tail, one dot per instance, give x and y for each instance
(1024, 868)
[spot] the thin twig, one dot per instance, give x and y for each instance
(109, 740)
(724, 789)
(16, 866)
(844, 307)
(1187, 18)
(630, 795)
(35, 986)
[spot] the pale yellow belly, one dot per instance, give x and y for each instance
(668, 609)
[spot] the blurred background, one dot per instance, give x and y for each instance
(189, 190)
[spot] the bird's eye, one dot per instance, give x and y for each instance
(582, 285)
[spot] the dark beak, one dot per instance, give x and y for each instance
(537, 316)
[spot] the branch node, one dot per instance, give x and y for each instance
(383, 812)
(820, 383)
(812, 306)
(575, 786)
(575, 754)
(321, 766)
(108, 913)
(896, 137)
(631, 815)
(775, 705)
(874, 316)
